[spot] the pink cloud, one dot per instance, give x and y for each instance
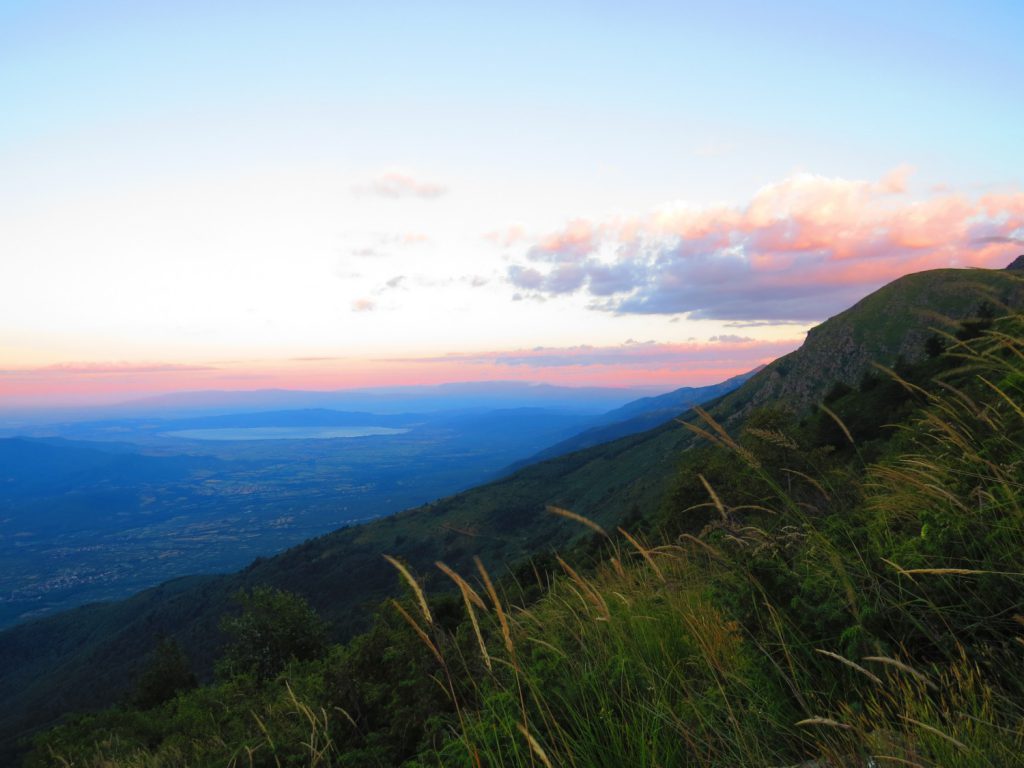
(399, 184)
(574, 242)
(506, 237)
(895, 181)
(800, 249)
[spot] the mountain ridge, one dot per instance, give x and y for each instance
(639, 416)
(503, 521)
(891, 324)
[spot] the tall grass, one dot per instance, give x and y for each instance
(829, 614)
(639, 660)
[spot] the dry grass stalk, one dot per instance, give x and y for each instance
(462, 584)
(937, 732)
(839, 422)
(826, 722)
(347, 716)
(900, 760)
(702, 544)
(506, 632)
(702, 432)
(773, 437)
(1009, 343)
(569, 515)
(708, 419)
(809, 480)
(919, 475)
(264, 729)
(1004, 396)
(469, 597)
(919, 676)
(954, 572)
(476, 630)
(753, 508)
(546, 644)
(418, 630)
(617, 567)
(964, 400)
(724, 438)
(668, 550)
(714, 498)
(424, 609)
(318, 725)
(913, 388)
(588, 589)
(644, 553)
(851, 664)
(535, 746)
(584, 601)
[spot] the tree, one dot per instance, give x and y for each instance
(167, 674)
(274, 628)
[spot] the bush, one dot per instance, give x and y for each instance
(274, 628)
(167, 674)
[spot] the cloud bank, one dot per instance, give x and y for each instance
(801, 249)
(728, 352)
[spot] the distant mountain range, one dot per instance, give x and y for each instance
(479, 396)
(639, 416)
(87, 657)
(97, 510)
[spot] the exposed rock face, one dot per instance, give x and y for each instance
(890, 325)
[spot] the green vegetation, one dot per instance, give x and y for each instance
(842, 584)
(95, 520)
(273, 629)
(167, 674)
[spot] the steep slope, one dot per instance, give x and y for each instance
(82, 659)
(639, 416)
(892, 324)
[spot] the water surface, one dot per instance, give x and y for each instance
(282, 433)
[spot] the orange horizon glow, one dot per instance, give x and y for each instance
(695, 364)
(799, 250)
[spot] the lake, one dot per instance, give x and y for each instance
(282, 433)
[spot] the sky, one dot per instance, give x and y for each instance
(325, 195)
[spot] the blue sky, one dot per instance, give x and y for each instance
(264, 165)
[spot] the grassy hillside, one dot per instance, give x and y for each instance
(88, 657)
(795, 604)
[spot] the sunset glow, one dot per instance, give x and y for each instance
(331, 196)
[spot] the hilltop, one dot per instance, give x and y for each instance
(890, 326)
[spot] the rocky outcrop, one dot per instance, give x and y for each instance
(891, 325)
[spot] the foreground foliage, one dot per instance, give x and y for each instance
(844, 588)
